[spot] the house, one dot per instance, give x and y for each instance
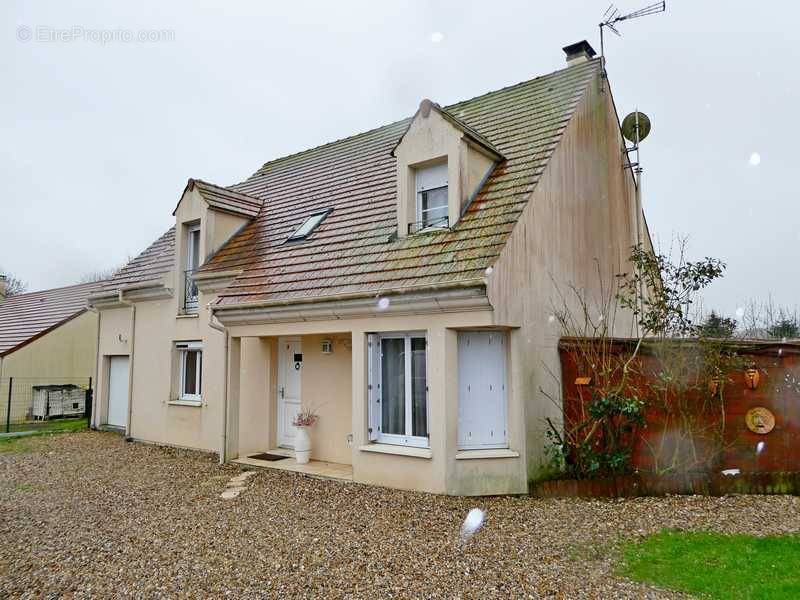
(47, 338)
(400, 282)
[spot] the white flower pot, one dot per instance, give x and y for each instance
(302, 445)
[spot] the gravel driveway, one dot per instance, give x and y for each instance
(90, 515)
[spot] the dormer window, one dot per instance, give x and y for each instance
(309, 225)
(442, 164)
(432, 203)
(192, 264)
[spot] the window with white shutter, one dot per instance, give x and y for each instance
(398, 389)
(431, 189)
(482, 403)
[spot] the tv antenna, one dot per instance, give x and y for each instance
(635, 127)
(612, 18)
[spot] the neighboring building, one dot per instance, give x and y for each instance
(46, 338)
(399, 281)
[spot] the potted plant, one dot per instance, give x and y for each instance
(303, 421)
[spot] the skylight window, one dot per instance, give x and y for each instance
(309, 225)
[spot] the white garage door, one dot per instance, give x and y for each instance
(118, 391)
(482, 390)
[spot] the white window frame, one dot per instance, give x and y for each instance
(190, 243)
(375, 375)
(419, 189)
(184, 348)
(309, 225)
(191, 303)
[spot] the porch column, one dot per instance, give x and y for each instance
(231, 435)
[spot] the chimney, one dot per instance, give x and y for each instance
(579, 52)
(3, 287)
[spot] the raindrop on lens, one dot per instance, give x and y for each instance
(383, 304)
(472, 523)
(760, 447)
(489, 271)
(755, 159)
(739, 312)
(551, 319)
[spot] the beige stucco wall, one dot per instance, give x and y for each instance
(576, 230)
(64, 355)
(326, 386)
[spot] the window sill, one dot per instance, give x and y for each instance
(185, 402)
(487, 453)
(398, 450)
(193, 315)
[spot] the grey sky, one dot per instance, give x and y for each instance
(97, 139)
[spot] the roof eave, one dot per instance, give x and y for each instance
(418, 302)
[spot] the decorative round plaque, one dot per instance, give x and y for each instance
(760, 420)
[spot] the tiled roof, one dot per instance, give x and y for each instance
(226, 200)
(156, 260)
(25, 317)
(352, 251)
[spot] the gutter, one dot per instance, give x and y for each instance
(93, 416)
(128, 435)
(458, 284)
(224, 447)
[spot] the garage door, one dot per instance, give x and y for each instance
(118, 391)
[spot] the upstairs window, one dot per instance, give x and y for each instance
(432, 205)
(309, 225)
(192, 264)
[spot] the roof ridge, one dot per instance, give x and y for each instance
(56, 289)
(203, 182)
(524, 82)
(280, 159)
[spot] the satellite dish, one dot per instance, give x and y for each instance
(629, 125)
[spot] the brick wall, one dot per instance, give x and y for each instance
(778, 390)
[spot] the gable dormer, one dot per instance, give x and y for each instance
(441, 164)
(206, 217)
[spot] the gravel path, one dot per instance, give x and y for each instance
(89, 515)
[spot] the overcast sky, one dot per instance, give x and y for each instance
(98, 137)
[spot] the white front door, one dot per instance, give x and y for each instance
(290, 364)
(117, 391)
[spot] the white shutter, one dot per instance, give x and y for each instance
(430, 178)
(373, 386)
(482, 389)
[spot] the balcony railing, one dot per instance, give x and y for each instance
(189, 292)
(440, 223)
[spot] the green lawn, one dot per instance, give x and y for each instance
(17, 444)
(713, 565)
(52, 425)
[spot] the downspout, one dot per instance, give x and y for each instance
(128, 435)
(224, 448)
(95, 396)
